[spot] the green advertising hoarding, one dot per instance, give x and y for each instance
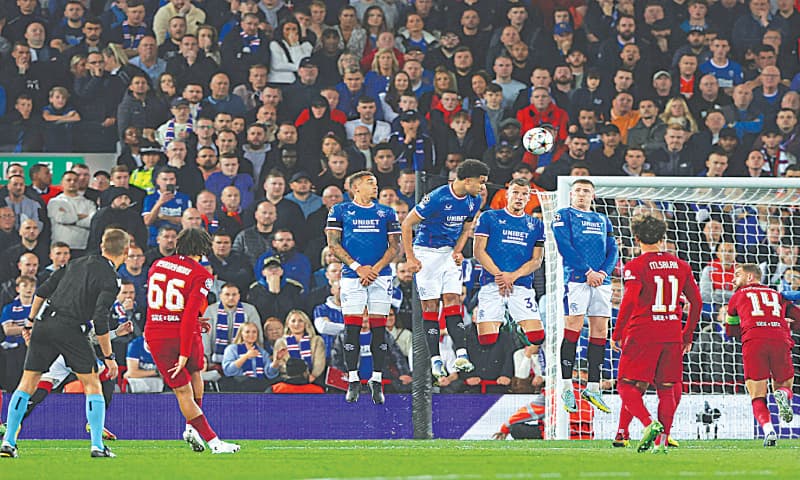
(58, 163)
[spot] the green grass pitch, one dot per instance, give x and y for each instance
(417, 460)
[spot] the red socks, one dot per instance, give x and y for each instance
(625, 419)
(760, 411)
(203, 428)
(571, 336)
(666, 407)
(353, 320)
(536, 337)
(632, 400)
(488, 338)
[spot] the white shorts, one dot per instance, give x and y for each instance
(581, 299)
(439, 274)
(521, 304)
(377, 297)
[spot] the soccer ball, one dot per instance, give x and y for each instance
(538, 140)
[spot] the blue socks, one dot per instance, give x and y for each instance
(16, 410)
(96, 416)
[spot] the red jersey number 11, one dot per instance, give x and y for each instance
(658, 301)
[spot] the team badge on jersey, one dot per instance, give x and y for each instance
(209, 283)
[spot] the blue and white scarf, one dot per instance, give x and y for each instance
(300, 350)
(223, 337)
(169, 136)
(250, 43)
(248, 366)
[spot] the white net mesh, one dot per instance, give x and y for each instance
(712, 227)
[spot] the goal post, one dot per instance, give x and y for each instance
(713, 223)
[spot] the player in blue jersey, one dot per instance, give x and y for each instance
(589, 254)
(509, 245)
(445, 218)
(364, 236)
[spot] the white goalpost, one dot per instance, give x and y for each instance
(713, 223)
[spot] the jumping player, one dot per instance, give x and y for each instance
(364, 236)
(589, 253)
(176, 295)
(650, 330)
(509, 245)
(445, 218)
(757, 314)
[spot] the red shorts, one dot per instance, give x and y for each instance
(764, 358)
(166, 352)
(654, 363)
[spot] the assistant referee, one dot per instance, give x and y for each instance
(83, 290)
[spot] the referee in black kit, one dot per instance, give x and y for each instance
(87, 293)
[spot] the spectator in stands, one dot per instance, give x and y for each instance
(242, 52)
(176, 30)
(141, 374)
(30, 241)
(127, 322)
(523, 171)
(776, 159)
(13, 320)
(700, 247)
(23, 206)
(256, 148)
(189, 67)
(492, 362)
(28, 266)
(177, 8)
(412, 147)
(677, 111)
(97, 103)
(609, 159)
(249, 90)
(225, 319)
(254, 240)
(165, 245)
(84, 179)
(120, 178)
(118, 213)
(59, 256)
(303, 343)
(273, 294)
(286, 51)
(577, 148)
(295, 264)
(59, 118)
(229, 175)
(221, 99)
(8, 234)
(786, 121)
(327, 314)
(244, 361)
(229, 266)
(648, 132)
(180, 126)
(21, 131)
(147, 58)
(165, 206)
(71, 215)
(301, 194)
(774, 268)
(133, 270)
(674, 159)
(709, 97)
(716, 278)
(132, 30)
(138, 107)
(742, 113)
(42, 182)
(190, 180)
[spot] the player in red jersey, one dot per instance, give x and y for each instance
(757, 314)
(649, 328)
(176, 296)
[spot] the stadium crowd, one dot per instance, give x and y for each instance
(245, 118)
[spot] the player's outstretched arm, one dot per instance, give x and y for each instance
(462, 242)
(407, 230)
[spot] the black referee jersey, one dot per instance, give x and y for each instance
(85, 289)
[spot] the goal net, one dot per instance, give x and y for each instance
(712, 224)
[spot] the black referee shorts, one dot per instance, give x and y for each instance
(52, 338)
